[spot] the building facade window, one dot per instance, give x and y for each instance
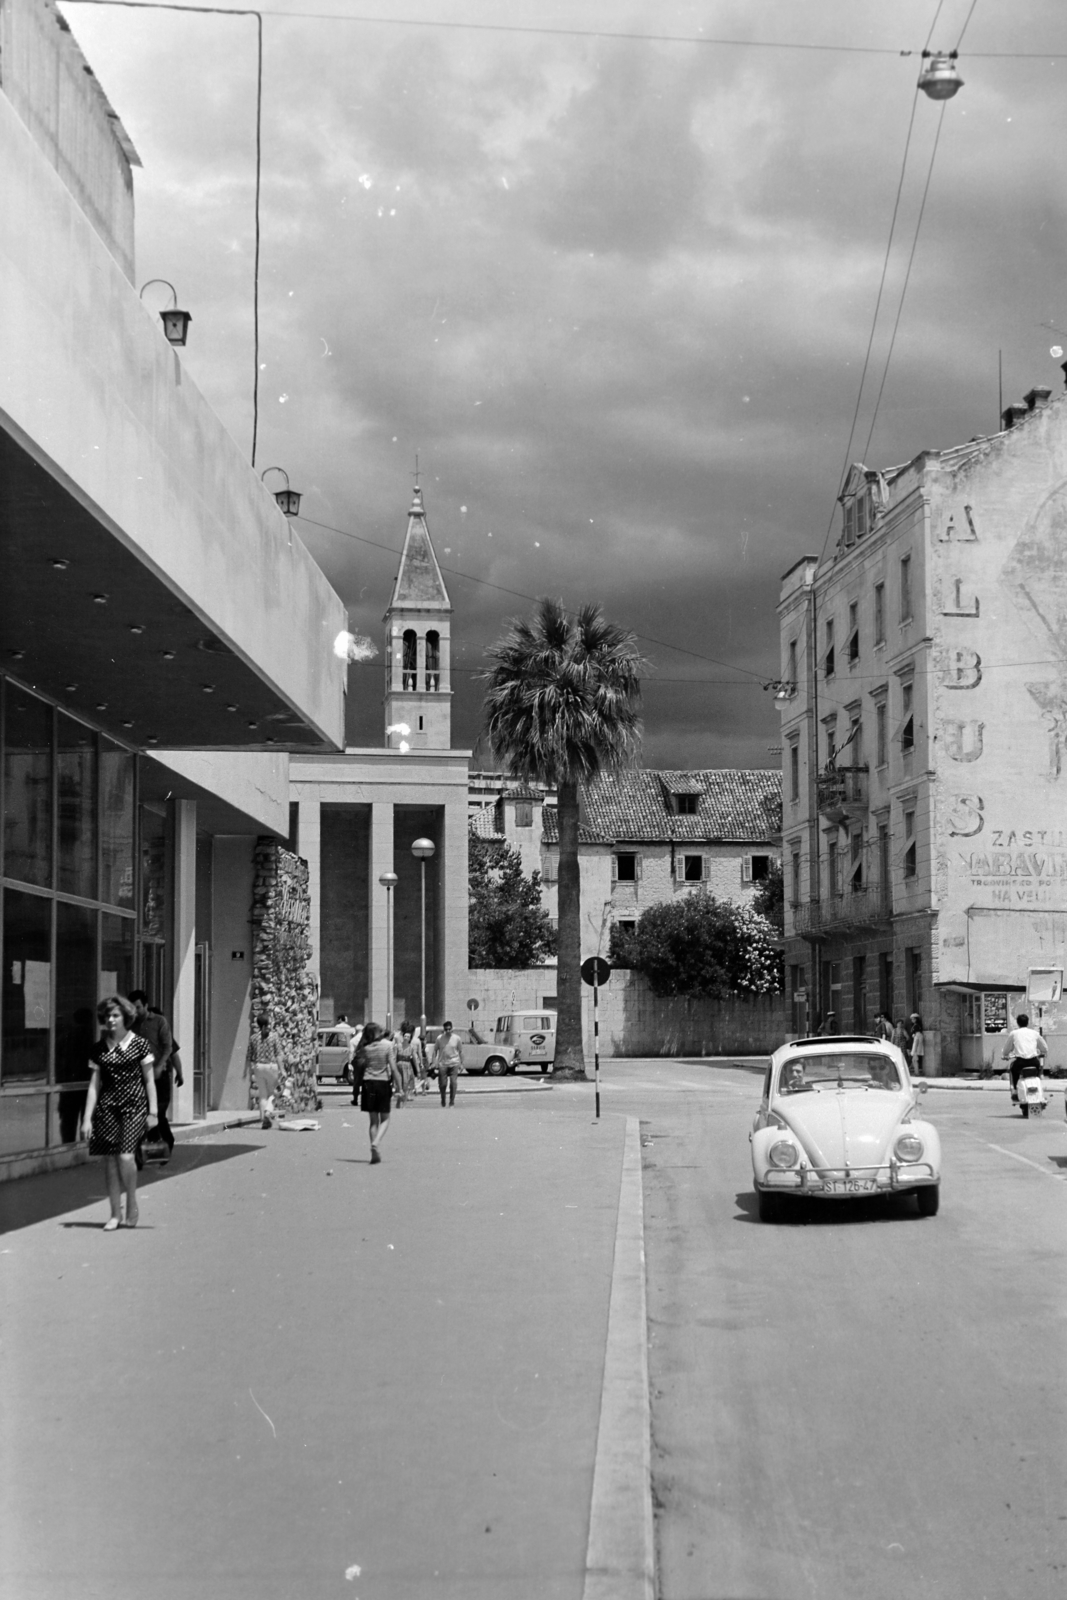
(433, 661)
(885, 983)
(914, 978)
(856, 878)
(859, 994)
(794, 769)
(690, 869)
(524, 813)
(907, 718)
(910, 856)
(755, 869)
(410, 659)
(833, 867)
(828, 654)
(884, 874)
(794, 878)
(792, 667)
(624, 866)
(881, 744)
(687, 805)
(905, 588)
(879, 613)
(853, 633)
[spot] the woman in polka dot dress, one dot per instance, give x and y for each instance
(121, 1099)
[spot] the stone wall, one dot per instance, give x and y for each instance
(634, 1021)
(281, 946)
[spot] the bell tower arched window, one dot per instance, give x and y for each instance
(410, 661)
(433, 660)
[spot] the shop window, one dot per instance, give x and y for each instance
(153, 872)
(914, 971)
(116, 824)
(116, 954)
(433, 661)
(885, 983)
(76, 801)
(624, 867)
(28, 788)
(78, 988)
(27, 989)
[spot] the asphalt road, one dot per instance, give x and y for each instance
(860, 1402)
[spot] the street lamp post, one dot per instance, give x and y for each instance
(422, 850)
(388, 882)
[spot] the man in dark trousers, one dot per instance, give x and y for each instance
(152, 1025)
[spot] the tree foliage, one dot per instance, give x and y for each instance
(769, 898)
(702, 947)
(508, 927)
(561, 707)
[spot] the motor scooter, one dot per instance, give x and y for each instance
(1030, 1090)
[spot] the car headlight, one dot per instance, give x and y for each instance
(783, 1154)
(909, 1147)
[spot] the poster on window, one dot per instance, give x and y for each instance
(37, 993)
(994, 1013)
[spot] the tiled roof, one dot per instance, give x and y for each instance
(482, 823)
(550, 830)
(735, 806)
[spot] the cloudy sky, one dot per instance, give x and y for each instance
(616, 291)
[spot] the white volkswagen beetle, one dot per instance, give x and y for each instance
(839, 1118)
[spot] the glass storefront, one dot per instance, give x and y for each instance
(68, 918)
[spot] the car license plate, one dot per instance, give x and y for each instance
(850, 1186)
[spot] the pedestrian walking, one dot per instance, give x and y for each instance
(120, 1104)
(152, 1025)
(265, 1064)
(376, 1074)
(407, 1052)
(902, 1036)
(448, 1058)
(917, 1046)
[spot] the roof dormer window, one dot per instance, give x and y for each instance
(687, 805)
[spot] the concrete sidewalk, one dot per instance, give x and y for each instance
(298, 1365)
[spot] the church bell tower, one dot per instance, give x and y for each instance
(418, 686)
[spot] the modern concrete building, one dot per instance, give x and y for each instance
(165, 638)
(924, 702)
(397, 952)
(645, 837)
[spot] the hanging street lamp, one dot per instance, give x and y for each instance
(939, 78)
(175, 322)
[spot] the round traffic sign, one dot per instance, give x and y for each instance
(595, 971)
(472, 1005)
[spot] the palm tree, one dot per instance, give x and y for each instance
(560, 708)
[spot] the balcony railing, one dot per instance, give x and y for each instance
(841, 793)
(842, 913)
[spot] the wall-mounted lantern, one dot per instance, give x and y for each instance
(939, 78)
(175, 322)
(288, 499)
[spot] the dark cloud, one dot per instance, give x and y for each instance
(616, 295)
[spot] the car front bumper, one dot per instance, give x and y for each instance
(842, 1184)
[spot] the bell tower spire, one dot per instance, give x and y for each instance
(418, 686)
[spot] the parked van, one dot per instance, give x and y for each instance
(532, 1033)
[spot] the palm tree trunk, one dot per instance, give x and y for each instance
(570, 1057)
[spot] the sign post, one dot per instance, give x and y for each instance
(595, 971)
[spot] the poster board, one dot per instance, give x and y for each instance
(994, 1011)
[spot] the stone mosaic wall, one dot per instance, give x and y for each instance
(281, 947)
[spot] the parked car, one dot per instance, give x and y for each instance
(532, 1033)
(839, 1118)
(335, 1051)
(495, 1059)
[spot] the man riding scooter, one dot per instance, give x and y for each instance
(1024, 1049)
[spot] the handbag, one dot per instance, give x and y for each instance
(154, 1149)
(359, 1067)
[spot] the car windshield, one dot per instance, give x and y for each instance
(801, 1073)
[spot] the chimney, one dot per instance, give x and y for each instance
(1039, 396)
(1013, 414)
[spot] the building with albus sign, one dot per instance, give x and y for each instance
(924, 722)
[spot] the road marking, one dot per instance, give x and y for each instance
(1056, 1176)
(620, 1553)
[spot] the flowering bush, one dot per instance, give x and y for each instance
(700, 946)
